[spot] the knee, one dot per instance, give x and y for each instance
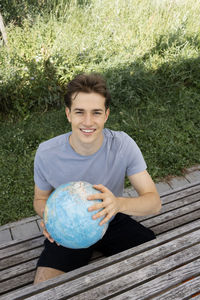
(45, 273)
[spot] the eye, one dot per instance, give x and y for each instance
(79, 112)
(97, 113)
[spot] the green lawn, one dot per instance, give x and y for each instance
(147, 50)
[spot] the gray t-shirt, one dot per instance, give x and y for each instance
(57, 163)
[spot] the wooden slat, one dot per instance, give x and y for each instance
(181, 196)
(163, 239)
(179, 208)
(128, 264)
(171, 224)
(20, 258)
(19, 223)
(12, 260)
(161, 284)
(21, 246)
(15, 283)
(167, 237)
(182, 191)
(166, 197)
(142, 258)
(10, 244)
(173, 198)
(93, 286)
(17, 270)
(180, 202)
(182, 291)
(170, 206)
(172, 214)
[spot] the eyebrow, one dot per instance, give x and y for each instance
(94, 110)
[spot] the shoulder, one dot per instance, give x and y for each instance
(53, 143)
(121, 142)
(119, 137)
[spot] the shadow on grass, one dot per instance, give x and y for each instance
(135, 84)
(39, 84)
(16, 11)
(176, 40)
(160, 110)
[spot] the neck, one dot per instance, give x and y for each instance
(85, 149)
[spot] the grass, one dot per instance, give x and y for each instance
(147, 50)
(19, 141)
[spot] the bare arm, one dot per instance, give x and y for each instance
(148, 202)
(40, 198)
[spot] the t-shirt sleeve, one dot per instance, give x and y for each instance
(39, 173)
(135, 159)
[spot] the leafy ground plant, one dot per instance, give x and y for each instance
(147, 50)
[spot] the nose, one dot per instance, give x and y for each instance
(88, 120)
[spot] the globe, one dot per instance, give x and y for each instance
(67, 219)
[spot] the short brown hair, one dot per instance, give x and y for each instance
(87, 83)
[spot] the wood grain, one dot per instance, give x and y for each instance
(151, 267)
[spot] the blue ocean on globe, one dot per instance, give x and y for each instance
(67, 218)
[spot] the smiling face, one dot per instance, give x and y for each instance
(87, 117)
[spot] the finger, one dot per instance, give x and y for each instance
(47, 235)
(100, 214)
(96, 197)
(105, 220)
(100, 187)
(50, 239)
(96, 206)
(45, 232)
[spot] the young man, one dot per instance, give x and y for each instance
(103, 158)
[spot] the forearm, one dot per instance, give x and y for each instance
(40, 199)
(39, 206)
(146, 204)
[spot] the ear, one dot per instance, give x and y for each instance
(68, 114)
(107, 114)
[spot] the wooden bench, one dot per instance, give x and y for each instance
(165, 268)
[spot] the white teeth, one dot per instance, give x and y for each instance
(87, 131)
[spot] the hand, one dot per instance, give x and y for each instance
(109, 205)
(46, 234)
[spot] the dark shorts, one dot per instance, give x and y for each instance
(123, 233)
